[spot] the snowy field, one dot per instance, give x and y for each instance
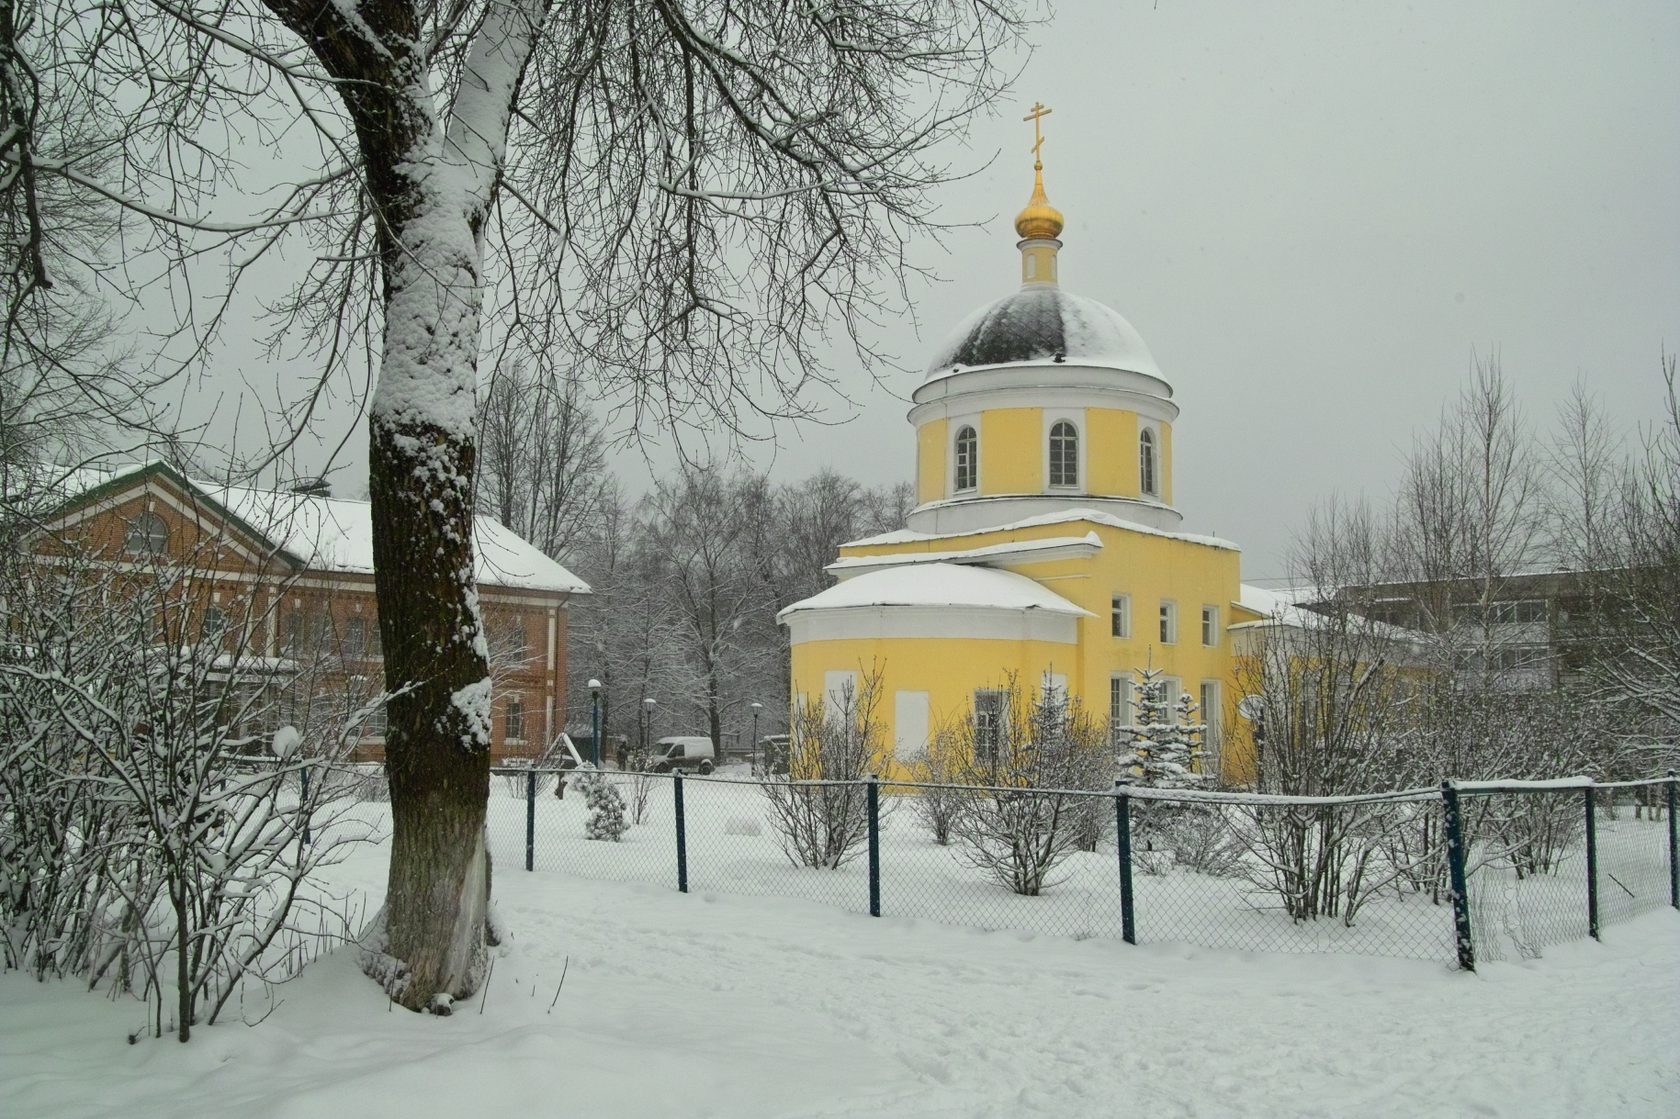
(718, 1003)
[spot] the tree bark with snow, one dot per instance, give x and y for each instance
(683, 199)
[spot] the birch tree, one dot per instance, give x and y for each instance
(689, 195)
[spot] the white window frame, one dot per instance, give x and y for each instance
(513, 719)
(1168, 629)
(147, 535)
(1120, 705)
(1120, 615)
(1149, 474)
(355, 638)
(1075, 420)
(988, 725)
(1211, 714)
(967, 424)
(1210, 626)
(840, 689)
(1172, 687)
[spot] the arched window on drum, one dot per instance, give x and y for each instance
(1064, 455)
(1149, 474)
(968, 460)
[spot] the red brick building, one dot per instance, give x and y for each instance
(284, 579)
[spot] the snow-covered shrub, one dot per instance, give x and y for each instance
(821, 811)
(939, 798)
(145, 841)
(1200, 837)
(604, 803)
(1021, 819)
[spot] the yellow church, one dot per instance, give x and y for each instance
(1045, 542)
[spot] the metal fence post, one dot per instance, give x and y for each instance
(1123, 833)
(303, 775)
(872, 797)
(1673, 843)
(531, 818)
(682, 835)
(1455, 867)
(1592, 865)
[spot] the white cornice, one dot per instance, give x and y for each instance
(931, 622)
(1041, 385)
(1018, 553)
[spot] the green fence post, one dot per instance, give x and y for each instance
(1123, 833)
(1455, 868)
(531, 818)
(682, 835)
(1592, 865)
(872, 796)
(1673, 843)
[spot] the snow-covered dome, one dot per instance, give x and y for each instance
(1041, 322)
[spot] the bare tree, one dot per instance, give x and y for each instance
(542, 459)
(836, 741)
(696, 526)
(1021, 818)
(683, 199)
(1638, 651)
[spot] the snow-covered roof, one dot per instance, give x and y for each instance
(1042, 323)
(939, 584)
(1264, 601)
(336, 533)
(1279, 607)
(1017, 551)
(1066, 516)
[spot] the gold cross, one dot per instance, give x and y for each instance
(1039, 111)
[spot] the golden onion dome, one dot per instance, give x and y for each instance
(1040, 220)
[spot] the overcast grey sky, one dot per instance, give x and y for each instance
(1315, 213)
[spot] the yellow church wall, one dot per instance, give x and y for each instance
(1166, 463)
(1111, 457)
(931, 469)
(949, 669)
(1146, 566)
(1010, 454)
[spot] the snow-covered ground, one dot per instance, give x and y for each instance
(715, 1004)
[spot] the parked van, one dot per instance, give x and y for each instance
(683, 751)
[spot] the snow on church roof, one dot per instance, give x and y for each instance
(939, 584)
(1044, 323)
(908, 536)
(1020, 551)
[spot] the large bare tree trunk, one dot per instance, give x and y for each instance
(433, 180)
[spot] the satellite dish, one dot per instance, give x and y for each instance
(1251, 707)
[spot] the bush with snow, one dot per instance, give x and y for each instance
(604, 803)
(1020, 821)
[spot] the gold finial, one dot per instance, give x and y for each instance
(1040, 220)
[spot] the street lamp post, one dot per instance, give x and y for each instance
(648, 705)
(595, 721)
(756, 708)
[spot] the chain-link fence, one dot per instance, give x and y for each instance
(1466, 871)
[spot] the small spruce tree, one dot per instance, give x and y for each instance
(1163, 753)
(605, 804)
(1165, 746)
